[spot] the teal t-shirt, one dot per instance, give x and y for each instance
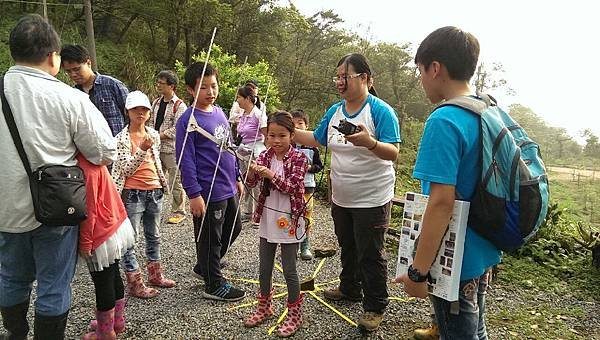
(449, 154)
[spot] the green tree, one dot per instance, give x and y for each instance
(592, 147)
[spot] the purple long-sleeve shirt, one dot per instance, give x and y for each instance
(200, 156)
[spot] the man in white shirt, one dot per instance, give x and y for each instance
(55, 122)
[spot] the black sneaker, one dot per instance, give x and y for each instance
(225, 292)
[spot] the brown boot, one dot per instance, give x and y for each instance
(431, 333)
(136, 286)
(336, 294)
(155, 276)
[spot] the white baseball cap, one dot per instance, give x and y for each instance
(135, 99)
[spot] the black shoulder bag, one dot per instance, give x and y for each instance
(58, 191)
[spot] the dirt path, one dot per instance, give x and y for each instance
(572, 174)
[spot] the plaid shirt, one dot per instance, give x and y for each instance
(108, 95)
(175, 108)
(295, 165)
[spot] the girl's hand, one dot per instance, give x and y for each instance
(197, 206)
(146, 143)
(361, 138)
(264, 172)
(86, 254)
(240, 187)
(252, 167)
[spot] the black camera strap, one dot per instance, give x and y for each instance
(12, 127)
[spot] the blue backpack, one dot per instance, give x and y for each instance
(511, 197)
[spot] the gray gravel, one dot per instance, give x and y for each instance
(182, 313)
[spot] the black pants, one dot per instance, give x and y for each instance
(215, 239)
(361, 236)
(109, 287)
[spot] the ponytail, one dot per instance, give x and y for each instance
(257, 102)
(373, 91)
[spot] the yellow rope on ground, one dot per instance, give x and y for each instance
(340, 314)
(257, 282)
(318, 268)
(278, 321)
(396, 298)
(278, 267)
(327, 283)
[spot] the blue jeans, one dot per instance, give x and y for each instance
(144, 208)
(45, 254)
(465, 319)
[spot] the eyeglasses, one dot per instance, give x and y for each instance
(161, 83)
(346, 77)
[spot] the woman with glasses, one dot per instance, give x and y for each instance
(363, 134)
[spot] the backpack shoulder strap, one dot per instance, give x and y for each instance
(176, 105)
(12, 127)
(476, 104)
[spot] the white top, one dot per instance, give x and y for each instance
(276, 226)
(359, 178)
(54, 121)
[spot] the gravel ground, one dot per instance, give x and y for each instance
(182, 313)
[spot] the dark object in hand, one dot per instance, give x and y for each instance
(237, 140)
(346, 128)
(267, 186)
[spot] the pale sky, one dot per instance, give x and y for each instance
(549, 49)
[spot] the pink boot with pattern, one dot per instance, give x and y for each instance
(104, 327)
(119, 317)
(263, 312)
(293, 320)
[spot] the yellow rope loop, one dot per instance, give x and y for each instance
(272, 329)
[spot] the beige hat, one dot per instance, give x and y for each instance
(135, 99)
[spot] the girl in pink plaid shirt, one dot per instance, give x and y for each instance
(280, 172)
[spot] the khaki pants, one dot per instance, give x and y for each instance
(169, 167)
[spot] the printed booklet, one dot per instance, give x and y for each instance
(445, 271)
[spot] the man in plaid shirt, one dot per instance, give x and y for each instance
(107, 93)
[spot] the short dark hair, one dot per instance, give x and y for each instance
(361, 65)
(169, 76)
(454, 48)
(32, 39)
(252, 82)
(282, 118)
(194, 72)
(300, 114)
(74, 54)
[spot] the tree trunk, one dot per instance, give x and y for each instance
(188, 46)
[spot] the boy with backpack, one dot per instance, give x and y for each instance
(471, 150)
(448, 166)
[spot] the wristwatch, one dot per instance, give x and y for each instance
(415, 276)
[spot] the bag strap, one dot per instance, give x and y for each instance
(12, 127)
(176, 106)
(476, 104)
